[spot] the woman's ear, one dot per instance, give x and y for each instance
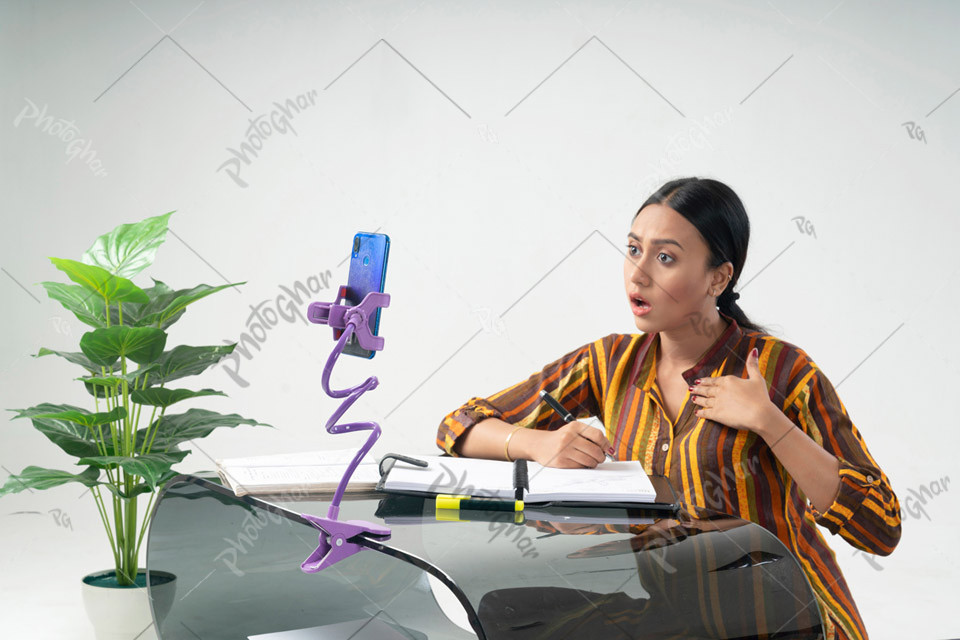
(721, 278)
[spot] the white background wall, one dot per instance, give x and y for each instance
(504, 147)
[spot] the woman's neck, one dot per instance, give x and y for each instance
(682, 347)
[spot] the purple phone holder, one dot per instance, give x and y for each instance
(338, 539)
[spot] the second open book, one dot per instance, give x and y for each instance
(617, 481)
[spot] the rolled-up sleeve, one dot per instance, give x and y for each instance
(571, 379)
(865, 511)
(454, 424)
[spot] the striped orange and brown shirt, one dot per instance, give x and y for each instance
(709, 464)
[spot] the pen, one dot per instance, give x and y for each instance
(445, 501)
(559, 408)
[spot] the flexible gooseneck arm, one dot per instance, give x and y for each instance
(350, 396)
(334, 543)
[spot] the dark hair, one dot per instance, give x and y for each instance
(720, 217)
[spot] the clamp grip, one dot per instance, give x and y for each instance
(335, 541)
(338, 316)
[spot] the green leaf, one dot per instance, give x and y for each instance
(136, 490)
(168, 476)
(183, 360)
(98, 385)
(100, 281)
(76, 358)
(158, 397)
(129, 248)
(110, 382)
(41, 478)
(194, 423)
(174, 304)
(151, 467)
(85, 418)
(82, 303)
(140, 344)
(74, 438)
(165, 306)
(134, 312)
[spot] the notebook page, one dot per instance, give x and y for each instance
(301, 471)
(612, 481)
(467, 476)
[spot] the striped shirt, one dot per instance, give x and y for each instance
(711, 465)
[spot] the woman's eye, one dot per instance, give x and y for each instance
(631, 247)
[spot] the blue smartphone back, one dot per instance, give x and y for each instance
(368, 272)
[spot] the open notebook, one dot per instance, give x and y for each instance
(617, 481)
(309, 472)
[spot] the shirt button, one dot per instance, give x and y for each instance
(664, 446)
(870, 479)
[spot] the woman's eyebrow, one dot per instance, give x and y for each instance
(655, 240)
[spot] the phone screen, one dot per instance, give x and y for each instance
(368, 272)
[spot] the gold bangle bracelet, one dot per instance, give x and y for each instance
(506, 444)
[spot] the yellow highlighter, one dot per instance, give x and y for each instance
(484, 504)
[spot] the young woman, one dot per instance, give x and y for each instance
(738, 420)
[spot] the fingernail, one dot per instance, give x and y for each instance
(610, 450)
(754, 352)
(697, 381)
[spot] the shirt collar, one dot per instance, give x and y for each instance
(711, 359)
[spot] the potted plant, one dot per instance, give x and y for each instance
(125, 457)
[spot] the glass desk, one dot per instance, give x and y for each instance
(546, 573)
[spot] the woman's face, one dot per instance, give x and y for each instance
(671, 276)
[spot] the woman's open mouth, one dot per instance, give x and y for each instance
(639, 306)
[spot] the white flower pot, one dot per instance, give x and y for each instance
(123, 613)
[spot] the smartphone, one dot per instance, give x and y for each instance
(368, 272)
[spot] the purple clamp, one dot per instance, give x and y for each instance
(336, 541)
